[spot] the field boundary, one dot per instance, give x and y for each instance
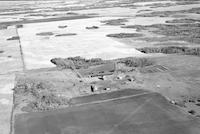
(21, 51)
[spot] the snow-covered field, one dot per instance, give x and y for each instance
(88, 43)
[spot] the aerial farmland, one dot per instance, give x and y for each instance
(100, 67)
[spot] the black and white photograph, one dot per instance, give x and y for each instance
(99, 66)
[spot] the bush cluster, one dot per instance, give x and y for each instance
(78, 62)
(172, 50)
(42, 97)
(125, 35)
(137, 62)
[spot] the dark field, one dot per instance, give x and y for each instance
(140, 114)
(169, 13)
(14, 38)
(67, 34)
(188, 31)
(45, 34)
(115, 22)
